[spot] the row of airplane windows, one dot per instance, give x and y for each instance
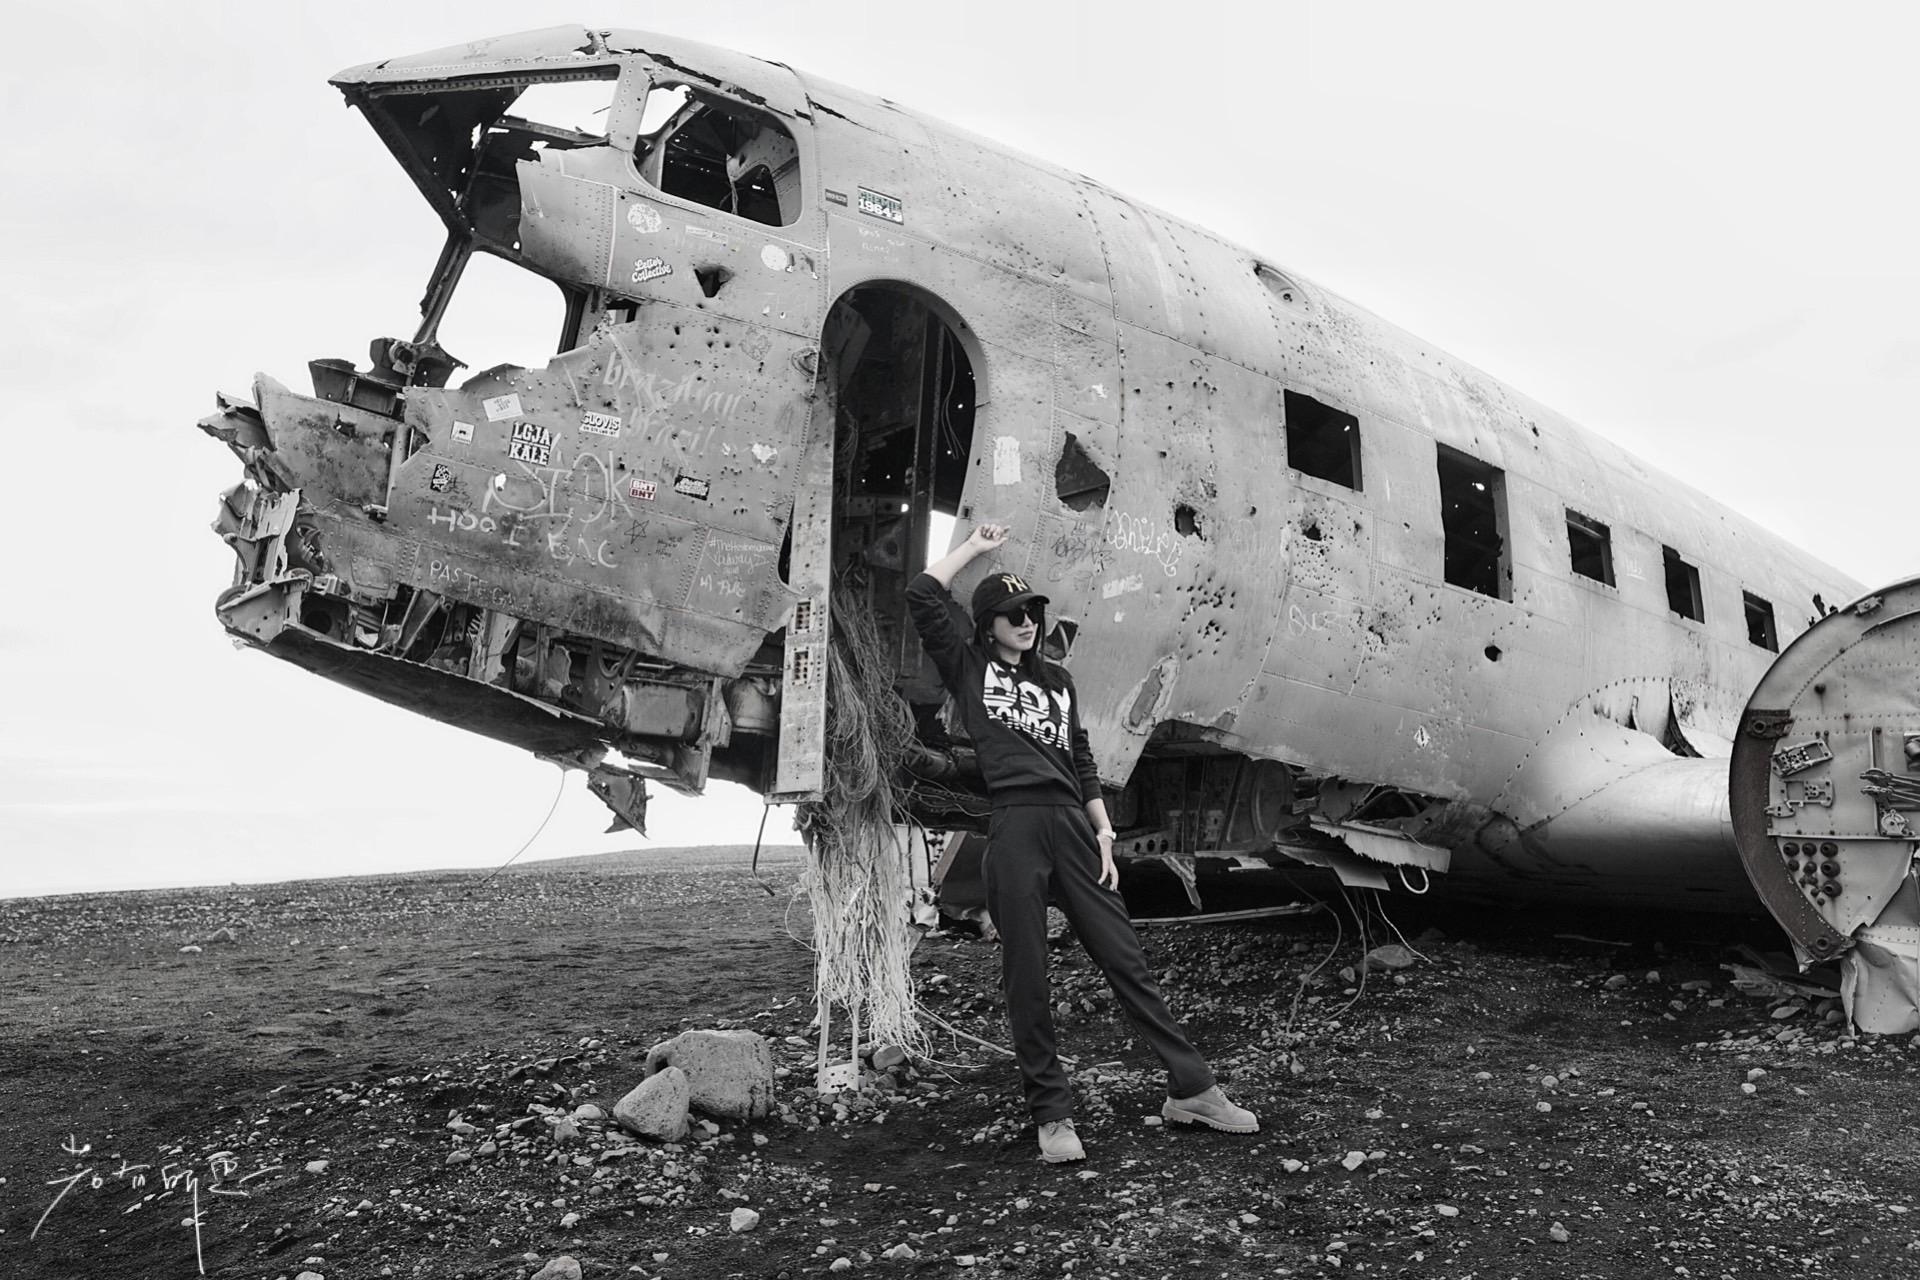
(1324, 441)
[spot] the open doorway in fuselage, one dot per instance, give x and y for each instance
(904, 398)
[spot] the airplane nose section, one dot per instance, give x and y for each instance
(1825, 792)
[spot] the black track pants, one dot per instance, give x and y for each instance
(1041, 851)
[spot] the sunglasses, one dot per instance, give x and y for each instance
(1021, 613)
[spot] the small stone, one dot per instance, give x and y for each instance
(461, 1127)
(888, 1056)
(588, 1111)
(190, 950)
(304, 1275)
(743, 1219)
(1757, 1073)
(900, 1253)
(561, 1268)
(965, 1260)
(459, 1157)
(1543, 1107)
(1293, 1166)
(840, 1264)
(1152, 1122)
(1791, 1010)
(1616, 982)
(317, 1166)
(1749, 1088)
(1353, 1160)
(1559, 1233)
(1392, 956)
(569, 1220)
(1446, 1210)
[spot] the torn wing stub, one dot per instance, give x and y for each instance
(1825, 790)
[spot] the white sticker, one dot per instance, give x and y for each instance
(765, 453)
(642, 490)
(498, 407)
(774, 258)
(531, 443)
(1006, 460)
(706, 234)
(643, 218)
(645, 269)
(600, 424)
(1120, 586)
(463, 432)
(878, 204)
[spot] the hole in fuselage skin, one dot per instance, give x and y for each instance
(1493, 653)
(1186, 521)
(712, 278)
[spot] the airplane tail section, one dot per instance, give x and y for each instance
(1825, 791)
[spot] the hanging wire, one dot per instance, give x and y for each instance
(551, 809)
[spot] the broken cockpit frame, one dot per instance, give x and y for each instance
(587, 559)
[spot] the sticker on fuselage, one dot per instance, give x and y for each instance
(530, 443)
(836, 197)
(645, 269)
(463, 432)
(643, 218)
(442, 478)
(876, 204)
(692, 487)
(498, 407)
(600, 424)
(642, 490)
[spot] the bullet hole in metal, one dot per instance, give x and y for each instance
(1186, 522)
(712, 278)
(1311, 531)
(1493, 653)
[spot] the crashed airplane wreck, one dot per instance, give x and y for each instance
(1341, 606)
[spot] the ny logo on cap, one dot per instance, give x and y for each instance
(1012, 582)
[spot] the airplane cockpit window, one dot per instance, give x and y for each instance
(718, 153)
(1591, 544)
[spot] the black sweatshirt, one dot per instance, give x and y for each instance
(1031, 747)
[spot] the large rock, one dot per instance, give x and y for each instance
(656, 1107)
(561, 1268)
(729, 1072)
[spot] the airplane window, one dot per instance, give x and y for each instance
(1592, 546)
(1760, 623)
(720, 154)
(1321, 440)
(1683, 586)
(1473, 498)
(569, 106)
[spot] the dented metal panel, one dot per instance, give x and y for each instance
(635, 490)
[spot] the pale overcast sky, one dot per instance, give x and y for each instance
(1690, 227)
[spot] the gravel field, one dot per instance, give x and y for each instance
(368, 1078)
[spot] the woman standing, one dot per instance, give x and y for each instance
(1049, 839)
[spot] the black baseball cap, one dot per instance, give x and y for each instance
(999, 592)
